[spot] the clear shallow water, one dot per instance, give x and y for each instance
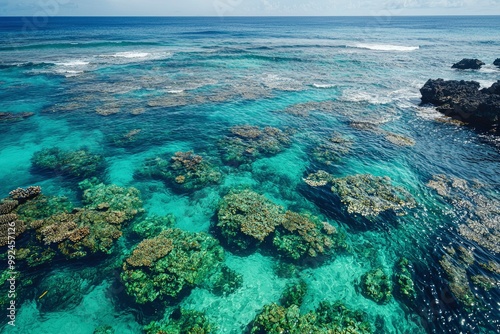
(185, 82)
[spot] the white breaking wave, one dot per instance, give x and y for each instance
(385, 47)
(131, 54)
(315, 85)
(175, 91)
(486, 83)
(359, 96)
(73, 63)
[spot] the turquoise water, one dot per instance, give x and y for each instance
(185, 82)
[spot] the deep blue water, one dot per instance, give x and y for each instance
(183, 82)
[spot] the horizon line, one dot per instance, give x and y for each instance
(253, 16)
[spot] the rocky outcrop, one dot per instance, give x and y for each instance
(468, 64)
(497, 62)
(464, 101)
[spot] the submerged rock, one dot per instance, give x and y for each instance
(404, 279)
(468, 64)
(13, 117)
(464, 101)
(332, 149)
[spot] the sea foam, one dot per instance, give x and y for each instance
(385, 47)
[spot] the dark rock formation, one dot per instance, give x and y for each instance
(497, 62)
(468, 64)
(463, 100)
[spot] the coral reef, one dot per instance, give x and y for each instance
(332, 149)
(79, 163)
(327, 318)
(365, 194)
(247, 143)
(394, 138)
(174, 261)
(182, 321)
(14, 117)
(153, 225)
(184, 170)
(377, 286)
(21, 194)
(104, 329)
(483, 223)
(404, 280)
(225, 281)
(304, 109)
(294, 294)
(458, 280)
(246, 218)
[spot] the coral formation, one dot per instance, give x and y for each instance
(377, 286)
(332, 149)
(365, 194)
(246, 219)
(21, 194)
(174, 261)
(182, 321)
(294, 294)
(225, 281)
(153, 225)
(404, 279)
(184, 170)
(458, 280)
(327, 318)
(80, 163)
(247, 143)
(483, 223)
(304, 109)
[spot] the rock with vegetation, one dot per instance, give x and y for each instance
(377, 286)
(175, 261)
(294, 294)
(80, 163)
(245, 143)
(184, 170)
(225, 281)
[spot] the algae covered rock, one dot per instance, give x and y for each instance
(184, 170)
(79, 163)
(245, 143)
(174, 261)
(377, 286)
(225, 281)
(182, 321)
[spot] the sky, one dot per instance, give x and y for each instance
(247, 7)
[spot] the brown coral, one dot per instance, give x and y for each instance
(7, 206)
(22, 194)
(150, 250)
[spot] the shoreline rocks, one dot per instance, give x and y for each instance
(465, 101)
(468, 64)
(497, 62)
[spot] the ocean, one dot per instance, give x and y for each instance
(265, 101)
